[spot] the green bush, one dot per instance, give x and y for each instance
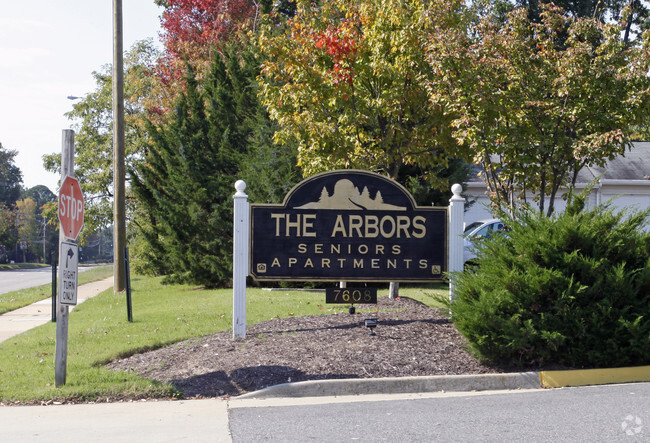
(573, 290)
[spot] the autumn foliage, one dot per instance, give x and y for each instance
(347, 82)
(192, 27)
(193, 32)
(339, 43)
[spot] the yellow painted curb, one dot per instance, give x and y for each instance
(585, 377)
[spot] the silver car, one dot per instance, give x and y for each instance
(476, 230)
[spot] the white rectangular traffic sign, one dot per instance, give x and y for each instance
(68, 273)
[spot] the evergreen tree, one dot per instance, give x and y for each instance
(324, 195)
(270, 170)
(186, 185)
(187, 181)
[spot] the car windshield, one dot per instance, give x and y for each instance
(471, 227)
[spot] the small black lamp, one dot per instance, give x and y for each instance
(371, 323)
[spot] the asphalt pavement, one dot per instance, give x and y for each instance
(584, 414)
(16, 279)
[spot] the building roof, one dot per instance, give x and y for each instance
(633, 165)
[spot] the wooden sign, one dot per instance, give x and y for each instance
(348, 225)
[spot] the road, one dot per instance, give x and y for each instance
(26, 278)
(604, 413)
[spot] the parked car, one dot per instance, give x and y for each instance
(476, 230)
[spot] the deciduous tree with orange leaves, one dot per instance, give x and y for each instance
(347, 80)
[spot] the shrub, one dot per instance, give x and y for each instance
(572, 289)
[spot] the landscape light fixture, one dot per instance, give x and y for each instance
(352, 309)
(371, 323)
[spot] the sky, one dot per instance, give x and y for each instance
(48, 51)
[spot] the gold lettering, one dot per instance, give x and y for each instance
(308, 263)
(341, 261)
(403, 224)
(363, 249)
(356, 222)
(325, 263)
(397, 249)
(308, 224)
(408, 261)
(372, 226)
(276, 263)
(302, 248)
(339, 226)
(418, 223)
(424, 264)
(335, 248)
(292, 224)
(358, 263)
(374, 263)
(277, 218)
(391, 263)
(292, 261)
(379, 249)
(318, 248)
(382, 228)
(303, 224)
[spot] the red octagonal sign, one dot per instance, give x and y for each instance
(71, 208)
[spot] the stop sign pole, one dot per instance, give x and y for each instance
(71, 214)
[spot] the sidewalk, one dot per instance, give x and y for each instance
(16, 322)
(152, 421)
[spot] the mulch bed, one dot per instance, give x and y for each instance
(411, 339)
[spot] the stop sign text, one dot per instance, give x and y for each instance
(71, 208)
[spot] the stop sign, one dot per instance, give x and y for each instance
(71, 208)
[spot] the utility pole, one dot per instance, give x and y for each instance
(119, 176)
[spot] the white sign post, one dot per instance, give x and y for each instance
(68, 275)
(456, 216)
(240, 259)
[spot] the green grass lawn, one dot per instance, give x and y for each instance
(23, 297)
(163, 314)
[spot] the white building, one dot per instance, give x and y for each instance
(624, 180)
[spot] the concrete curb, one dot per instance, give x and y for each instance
(399, 385)
(453, 383)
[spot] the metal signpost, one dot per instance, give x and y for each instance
(71, 219)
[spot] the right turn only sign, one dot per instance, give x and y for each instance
(68, 273)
